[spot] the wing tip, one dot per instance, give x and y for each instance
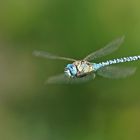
(36, 53)
(49, 81)
(134, 70)
(122, 38)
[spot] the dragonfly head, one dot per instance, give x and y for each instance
(70, 70)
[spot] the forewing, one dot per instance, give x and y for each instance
(109, 48)
(51, 56)
(116, 72)
(62, 79)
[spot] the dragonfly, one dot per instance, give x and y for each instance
(84, 70)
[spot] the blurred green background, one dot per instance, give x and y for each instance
(99, 110)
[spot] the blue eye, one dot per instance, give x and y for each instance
(72, 69)
(70, 66)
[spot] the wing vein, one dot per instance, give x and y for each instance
(109, 48)
(51, 56)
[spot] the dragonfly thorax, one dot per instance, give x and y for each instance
(78, 69)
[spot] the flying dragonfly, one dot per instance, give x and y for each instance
(84, 70)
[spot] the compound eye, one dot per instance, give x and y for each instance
(72, 66)
(67, 73)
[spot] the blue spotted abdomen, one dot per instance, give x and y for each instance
(115, 61)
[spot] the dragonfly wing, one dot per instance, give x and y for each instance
(116, 72)
(51, 56)
(62, 79)
(109, 48)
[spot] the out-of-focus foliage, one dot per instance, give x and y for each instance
(102, 109)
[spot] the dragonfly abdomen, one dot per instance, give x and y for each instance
(115, 61)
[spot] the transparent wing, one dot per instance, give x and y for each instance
(51, 56)
(62, 79)
(109, 48)
(116, 72)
